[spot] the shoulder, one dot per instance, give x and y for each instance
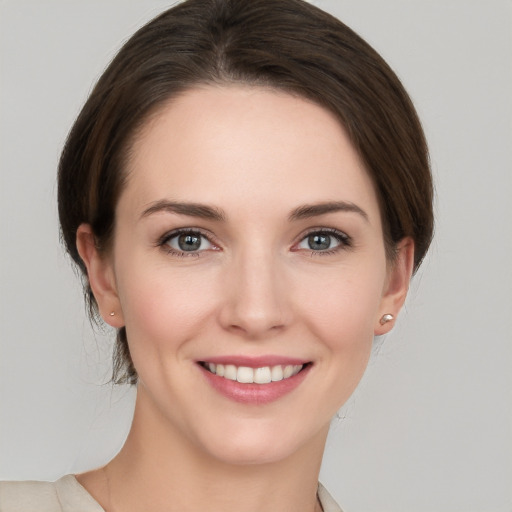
(67, 495)
(326, 500)
(28, 496)
(64, 495)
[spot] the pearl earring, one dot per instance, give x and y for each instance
(386, 318)
(112, 313)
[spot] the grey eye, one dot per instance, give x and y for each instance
(321, 241)
(189, 242)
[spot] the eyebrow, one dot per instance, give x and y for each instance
(191, 209)
(313, 210)
(213, 213)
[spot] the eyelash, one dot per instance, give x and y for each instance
(164, 240)
(345, 241)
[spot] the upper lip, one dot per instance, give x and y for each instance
(255, 361)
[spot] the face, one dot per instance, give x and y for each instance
(249, 269)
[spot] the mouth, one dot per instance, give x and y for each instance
(248, 375)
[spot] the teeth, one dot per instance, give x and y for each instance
(277, 373)
(246, 375)
(287, 371)
(230, 372)
(262, 375)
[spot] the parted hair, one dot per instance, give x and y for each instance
(288, 45)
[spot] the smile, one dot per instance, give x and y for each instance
(254, 381)
(247, 375)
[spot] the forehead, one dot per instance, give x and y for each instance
(225, 145)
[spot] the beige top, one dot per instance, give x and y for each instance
(67, 495)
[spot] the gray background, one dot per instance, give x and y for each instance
(430, 427)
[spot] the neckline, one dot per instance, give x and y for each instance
(70, 483)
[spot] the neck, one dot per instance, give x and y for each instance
(158, 466)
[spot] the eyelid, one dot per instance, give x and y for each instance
(345, 241)
(164, 239)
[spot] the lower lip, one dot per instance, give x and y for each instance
(255, 393)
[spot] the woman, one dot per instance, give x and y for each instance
(247, 192)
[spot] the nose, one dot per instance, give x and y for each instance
(255, 303)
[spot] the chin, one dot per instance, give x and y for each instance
(256, 444)
(252, 454)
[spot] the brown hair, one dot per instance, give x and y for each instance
(284, 44)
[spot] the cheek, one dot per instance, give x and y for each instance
(342, 308)
(341, 315)
(346, 331)
(161, 306)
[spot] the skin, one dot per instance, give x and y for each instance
(254, 288)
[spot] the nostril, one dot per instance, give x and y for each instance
(253, 298)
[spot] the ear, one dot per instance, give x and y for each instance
(101, 276)
(396, 287)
